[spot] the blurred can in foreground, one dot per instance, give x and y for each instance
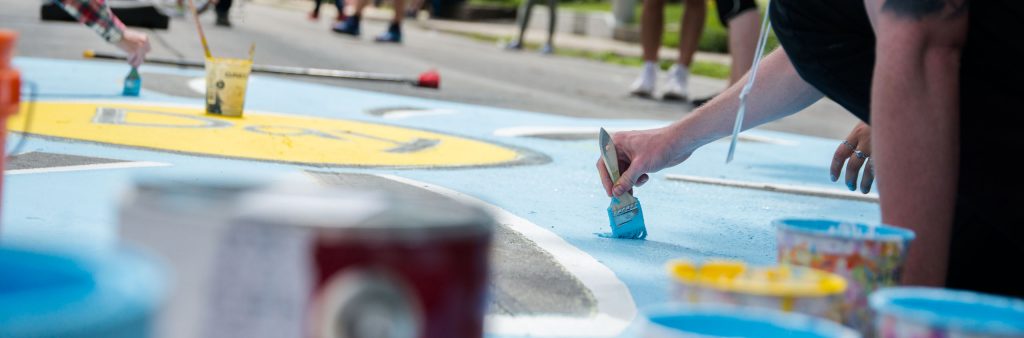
(718, 320)
(785, 288)
(869, 257)
(304, 260)
(906, 312)
(112, 295)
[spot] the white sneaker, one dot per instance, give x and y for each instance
(644, 85)
(676, 87)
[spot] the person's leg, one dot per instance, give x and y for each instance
(522, 21)
(652, 22)
(394, 32)
(316, 10)
(549, 47)
(743, 32)
(692, 26)
(223, 8)
(340, 4)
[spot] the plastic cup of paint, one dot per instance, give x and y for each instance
(933, 312)
(785, 288)
(719, 320)
(226, 82)
(869, 257)
(61, 295)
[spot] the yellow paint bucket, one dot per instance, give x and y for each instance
(226, 82)
(786, 288)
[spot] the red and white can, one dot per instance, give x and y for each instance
(313, 261)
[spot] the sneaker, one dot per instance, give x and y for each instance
(644, 85)
(313, 16)
(514, 45)
(548, 49)
(676, 89)
(350, 26)
(394, 34)
(222, 20)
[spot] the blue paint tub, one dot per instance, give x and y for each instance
(676, 320)
(57, 295)
(934, 312)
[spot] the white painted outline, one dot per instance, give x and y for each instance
(400, 114)
(782, 188)
(533, 131)
(615, 306)
(84, 167)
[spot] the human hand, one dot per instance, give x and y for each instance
(856, 152)
(641, 152)
(135, 44)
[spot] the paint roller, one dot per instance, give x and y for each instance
(428, 79)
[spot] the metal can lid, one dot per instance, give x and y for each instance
(364, 214)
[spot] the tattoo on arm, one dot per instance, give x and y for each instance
(919, 9)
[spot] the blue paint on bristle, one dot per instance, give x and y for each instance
(628, 223)
(132, 83)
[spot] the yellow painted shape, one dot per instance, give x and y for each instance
(257, 136)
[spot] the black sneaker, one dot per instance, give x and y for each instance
(222, 20)
(393, 35)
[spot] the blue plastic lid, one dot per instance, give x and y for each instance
(49, 295)
(963, 311)
(731, 321)
(841, 229)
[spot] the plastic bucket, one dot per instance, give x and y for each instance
(226, 82)
(55, 295)
(869, 257)
(934, 312)
(789, 289)
(664, 321)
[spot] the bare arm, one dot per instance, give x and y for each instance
(778, 92)
(915, 114)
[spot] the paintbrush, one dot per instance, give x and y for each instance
(199, 28)
(625, 216)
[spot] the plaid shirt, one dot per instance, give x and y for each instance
(96, 15)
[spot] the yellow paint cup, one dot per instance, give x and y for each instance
(226, 82)
(786, 288)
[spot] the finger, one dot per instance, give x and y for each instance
(135, 60)
(842, 153)
(642, 180)
(852, 170)
(869, 176)
(627, 180)
(605, 180)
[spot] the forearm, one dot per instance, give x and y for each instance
(915, 114)
(778, 92)
(96, 15)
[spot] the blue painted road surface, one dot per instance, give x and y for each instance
(551, 190)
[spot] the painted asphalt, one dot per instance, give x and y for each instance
(557, 191)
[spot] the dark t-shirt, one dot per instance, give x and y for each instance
(832, 47)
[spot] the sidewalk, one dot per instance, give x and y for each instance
(507, 31)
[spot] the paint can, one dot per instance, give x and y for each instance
(47, 294)
(226, 82)
(869, 257)
(720, 320)
(904, 312)
(304, 260)
(785, 288)
(10, 89)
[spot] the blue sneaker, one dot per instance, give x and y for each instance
(394, 34)
(350, 26)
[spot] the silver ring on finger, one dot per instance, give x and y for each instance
(860, 154)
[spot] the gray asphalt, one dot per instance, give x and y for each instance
(472, 71)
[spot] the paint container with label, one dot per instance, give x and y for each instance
(720, 320)
(302, 260)
(47, 294)
(869, 257)
(132, 83)
(910, 312)
(226, 83)
(784, 288)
